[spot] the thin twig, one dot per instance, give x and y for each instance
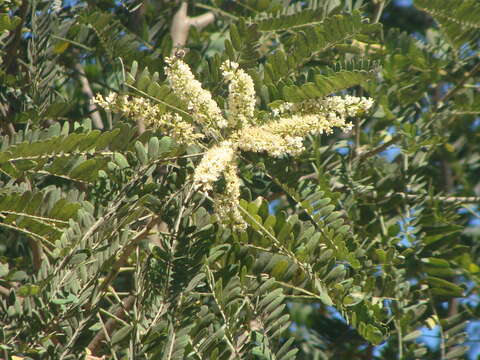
(400, 339)
(378, 149)
(456, 88)
(125, 254)
(4, 291)
(228, 336)
(440, 327)
(111, 323)
(357, 136)
(448, 199)
(380, 5)
(107, 336)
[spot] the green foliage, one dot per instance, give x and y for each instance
(324, 85)
(70, 153)
(114, 39)
(313, 41)
(291, 17)
(147, 85)
(42, 215)
(106, 248)
(459, 22)
(243, 44)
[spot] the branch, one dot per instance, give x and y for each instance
(181, 24)
(7, 125)
(37, 253)
(125, 253)
(179, 31)
(379, 6)
(379, 149)
(12, 48)
(202, 20)
(448, 199)
(4, 291)
(217, 11)
(140, 125)
(94, 345)
(456, 88)
(11, 58)
(87, 91)
(138, 19)
(111, 324)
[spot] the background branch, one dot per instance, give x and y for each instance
(181, 24)
(13, 45)
(11, 58)
(121, 312)
(87, 91)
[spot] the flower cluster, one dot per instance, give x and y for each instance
(171, 124)
(226, 202)
(132, 107)
(217, 171)
(241, 95)
(261, 138)
(213, 165)
(292, 122)
(341, 106)
(203, 108)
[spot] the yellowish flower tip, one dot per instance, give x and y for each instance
(341, 106)
(204, 109)
(241, 95)
(107, 102)
(285, 135)
(292, 122)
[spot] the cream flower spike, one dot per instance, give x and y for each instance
(241, 95)
(171, 124)
(220, 163)
(292, 122)
(213, 165)
(203, 108)
(261, 138)
(226, 203)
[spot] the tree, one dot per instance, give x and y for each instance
(237, 180)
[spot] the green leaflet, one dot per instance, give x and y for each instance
(459, 21)
(289, 18)
(243, 44)
(324, 85)
(38, 213)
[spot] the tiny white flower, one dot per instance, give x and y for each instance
(204, 109)
(241, 98)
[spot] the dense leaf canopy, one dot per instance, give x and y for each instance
(356, 245)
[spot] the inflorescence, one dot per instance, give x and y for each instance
(217, 171)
